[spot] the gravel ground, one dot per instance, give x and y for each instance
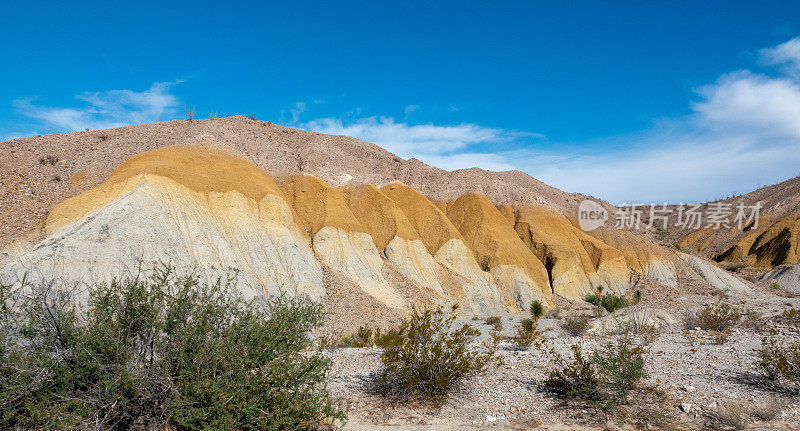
(698, 376)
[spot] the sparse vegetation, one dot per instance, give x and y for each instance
(734, 267)
(495, 322)
(778, 360)
(48, 160)
(527, 330)
(766, 410)
(537, 311)
(159, 352)
(718, 317)
(526, 333)
(606, 377)
(576, 324)
(610, 301)
(189, 112)
(362, 338)
(733, 414)
(775, 286)
(430, 356)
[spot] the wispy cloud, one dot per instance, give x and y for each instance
(428, 142)
(786, 55)
(743, 132)
(105, 109)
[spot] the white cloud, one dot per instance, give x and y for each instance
(405, 140)
(748, 104)
(786, 54)
(743, 132)
(105, 109)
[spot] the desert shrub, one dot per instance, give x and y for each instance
(553, 313)
(620, 366)
(430, 356)
(362, 338)
(766, 410)
(576, 324)
(495, 322)
(732, 414)
(48, 160)
(525, 335)
(158, 350)
(611, 302)
(606, 377)
(575, 377)
(792, 316)
(776, 359)
(714, 317)
(641, 321)
(734, 267)
(390, 337)
(775, 286)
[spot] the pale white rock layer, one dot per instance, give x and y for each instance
(158, 221)
(411, 259)
(354, 255)
(717, 277)
(661, 271)
(787, 277)
(482, 294)
(522, 288)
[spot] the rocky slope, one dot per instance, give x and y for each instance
(773, 241)
(41, 171)
(200, 208)
(319, 217)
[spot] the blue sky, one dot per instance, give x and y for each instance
(628, 101)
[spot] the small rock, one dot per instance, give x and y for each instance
(491, 419)
(688, 388)
(686, 407)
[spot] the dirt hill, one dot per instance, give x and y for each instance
(41, 171)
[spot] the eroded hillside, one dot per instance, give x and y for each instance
(200, 208)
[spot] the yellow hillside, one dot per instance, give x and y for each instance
(569, 254)
(380, 215)
(430, 222)
(199, 169)
(493, 241)
(318, 205)
(773, 243)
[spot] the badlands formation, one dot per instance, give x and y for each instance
(202, 209)
(371, 236)
(325, 218)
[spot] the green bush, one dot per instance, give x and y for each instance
(430, 356)
(576, 324)
(573, 378)
(610, 301)
(715, 317)
(620, 365)
(606, 377)
(776, 360)
(537, 310)
(362, 338)
(387, 338)
(166, 349)
(525, 335)
(495, 322)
